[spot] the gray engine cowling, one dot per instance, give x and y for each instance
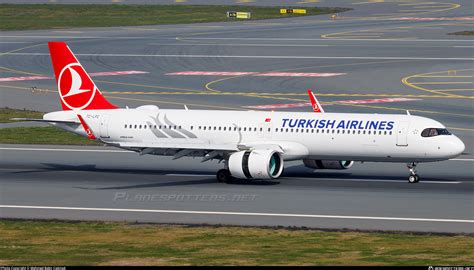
(328, 164)
(256, 164)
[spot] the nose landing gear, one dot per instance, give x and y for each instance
(413, 178)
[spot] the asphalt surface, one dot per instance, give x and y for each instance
(380, 53)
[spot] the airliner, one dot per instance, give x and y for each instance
(249, 144)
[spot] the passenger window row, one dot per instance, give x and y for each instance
(127, 126)
(334, 131)
(277, 130)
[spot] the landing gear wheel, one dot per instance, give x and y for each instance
(223, 176)
(413, 178)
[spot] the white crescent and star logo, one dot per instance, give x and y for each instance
(75, 88)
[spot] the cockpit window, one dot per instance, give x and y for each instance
(431, 132)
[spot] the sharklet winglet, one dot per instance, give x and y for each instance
(315, 103)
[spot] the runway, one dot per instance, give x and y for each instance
(102, 183)
(356, 63)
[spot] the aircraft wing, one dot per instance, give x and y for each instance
(196, 149)
(178, 150)
(183, 145)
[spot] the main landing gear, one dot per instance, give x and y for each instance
(413, 178)
(223, 176)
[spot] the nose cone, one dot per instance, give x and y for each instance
(456, 147)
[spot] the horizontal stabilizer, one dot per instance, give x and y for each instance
(45, 120)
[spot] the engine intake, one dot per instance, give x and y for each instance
(328, 164)
(256, 164)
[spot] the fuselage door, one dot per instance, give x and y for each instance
(402, 134)
(266, 130)
(104, 126)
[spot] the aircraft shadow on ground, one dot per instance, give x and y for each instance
(206, 179)
(51, 167)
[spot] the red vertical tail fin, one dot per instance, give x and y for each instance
(76, 89)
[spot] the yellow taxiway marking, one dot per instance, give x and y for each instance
(415, 4)
(383, 30)
(434, 83)
(353, 36)
(405, 109)
(23, 48)
(464, 129)
(5, 69)
(151, 86)
(208, 85)
(430, 7)
(239, 108)
(406, 11)
(277, 94)
(309, 1)
(177, 103)
(395, 30)
(445, 76)
(455, 90)
(132, 99)
(449, 73)
(369, 2)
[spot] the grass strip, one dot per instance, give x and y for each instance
(114, 243)
(7, 113)
(47, 16)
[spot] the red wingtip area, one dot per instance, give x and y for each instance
(75, 87)
(314, 102)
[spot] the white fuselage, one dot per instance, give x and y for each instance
(322, 136)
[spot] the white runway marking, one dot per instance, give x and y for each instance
(305, 45)
(332, 39)
(255, 56)
(75, 37)
(93, 74)
(387, 181)
(241, 45)
(250, 73)
(236, 213)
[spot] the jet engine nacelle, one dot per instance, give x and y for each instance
(328, 164)
(256, 164)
